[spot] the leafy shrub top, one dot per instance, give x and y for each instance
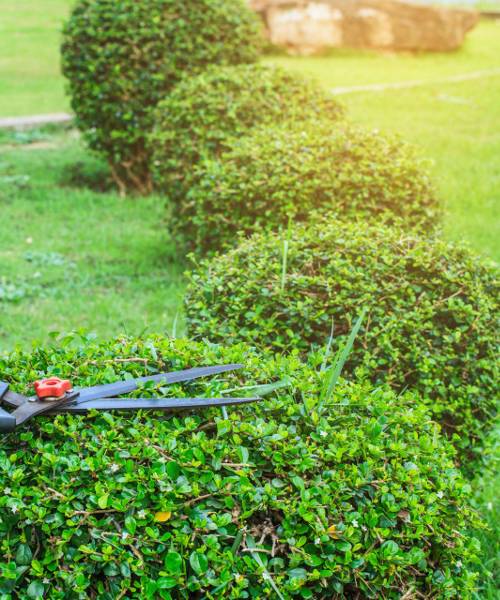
(432, 307)
(203, 113)
(289, 171)
(359, 499)
(121, 58)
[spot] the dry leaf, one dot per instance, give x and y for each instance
(404, 515)
(162, 517)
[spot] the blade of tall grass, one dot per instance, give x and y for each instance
(328, 350)
(255, 555)
(284, 260)
(237, 542)
(284, 264)
(259, 390)
(174, 326)
(336, 370)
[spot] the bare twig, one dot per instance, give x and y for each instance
(195, 500)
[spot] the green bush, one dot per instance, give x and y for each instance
(284, 173)
(203, 113)
(358, 501)
(122, 58)
(432, 316)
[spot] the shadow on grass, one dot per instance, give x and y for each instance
(89, 173)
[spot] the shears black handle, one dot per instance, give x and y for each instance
(7, 421)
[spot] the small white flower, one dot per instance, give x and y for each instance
(355, 523)
(317, 541)
(458, 564)
(142, 514)
(364, 528)
(14, 509)
(114, 468)
(125, 535)
(323, 433)
(7, 491)
(440, 494)
(46, 581)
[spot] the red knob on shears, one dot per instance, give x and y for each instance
(52, 387)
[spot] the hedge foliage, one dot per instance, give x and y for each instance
(122, 58)
(432, 317)
(289, 171)
(202, 114)
(360, 499)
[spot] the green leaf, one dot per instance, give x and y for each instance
(111, 570)
(243, 454)
(102, 501)
(297, 573)
(23, 555)
(343, 546)
(130, 524)
(173, 562)
(166, 583)
(198, 562)
(36, 589)
(173, 470)
(389, 548)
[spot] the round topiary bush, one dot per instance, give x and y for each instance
(357, 501)
(203, 113)
(287, 172)
(122, 58)
(432, 317)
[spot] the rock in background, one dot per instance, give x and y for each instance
(307, 27)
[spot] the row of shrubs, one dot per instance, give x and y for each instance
(237, 138)
(312, 492)
(295, 171)
(122, 58)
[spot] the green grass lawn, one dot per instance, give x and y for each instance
(30, 82)
(75, 258)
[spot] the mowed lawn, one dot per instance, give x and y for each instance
(73, 257)
(30, 81)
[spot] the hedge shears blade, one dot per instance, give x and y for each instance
(55, 396)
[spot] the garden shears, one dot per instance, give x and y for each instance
(55, 396)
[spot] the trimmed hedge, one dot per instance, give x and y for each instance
(201, 115)
(432, 307)
(290, 171)
(362, 500)
(122, 58)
